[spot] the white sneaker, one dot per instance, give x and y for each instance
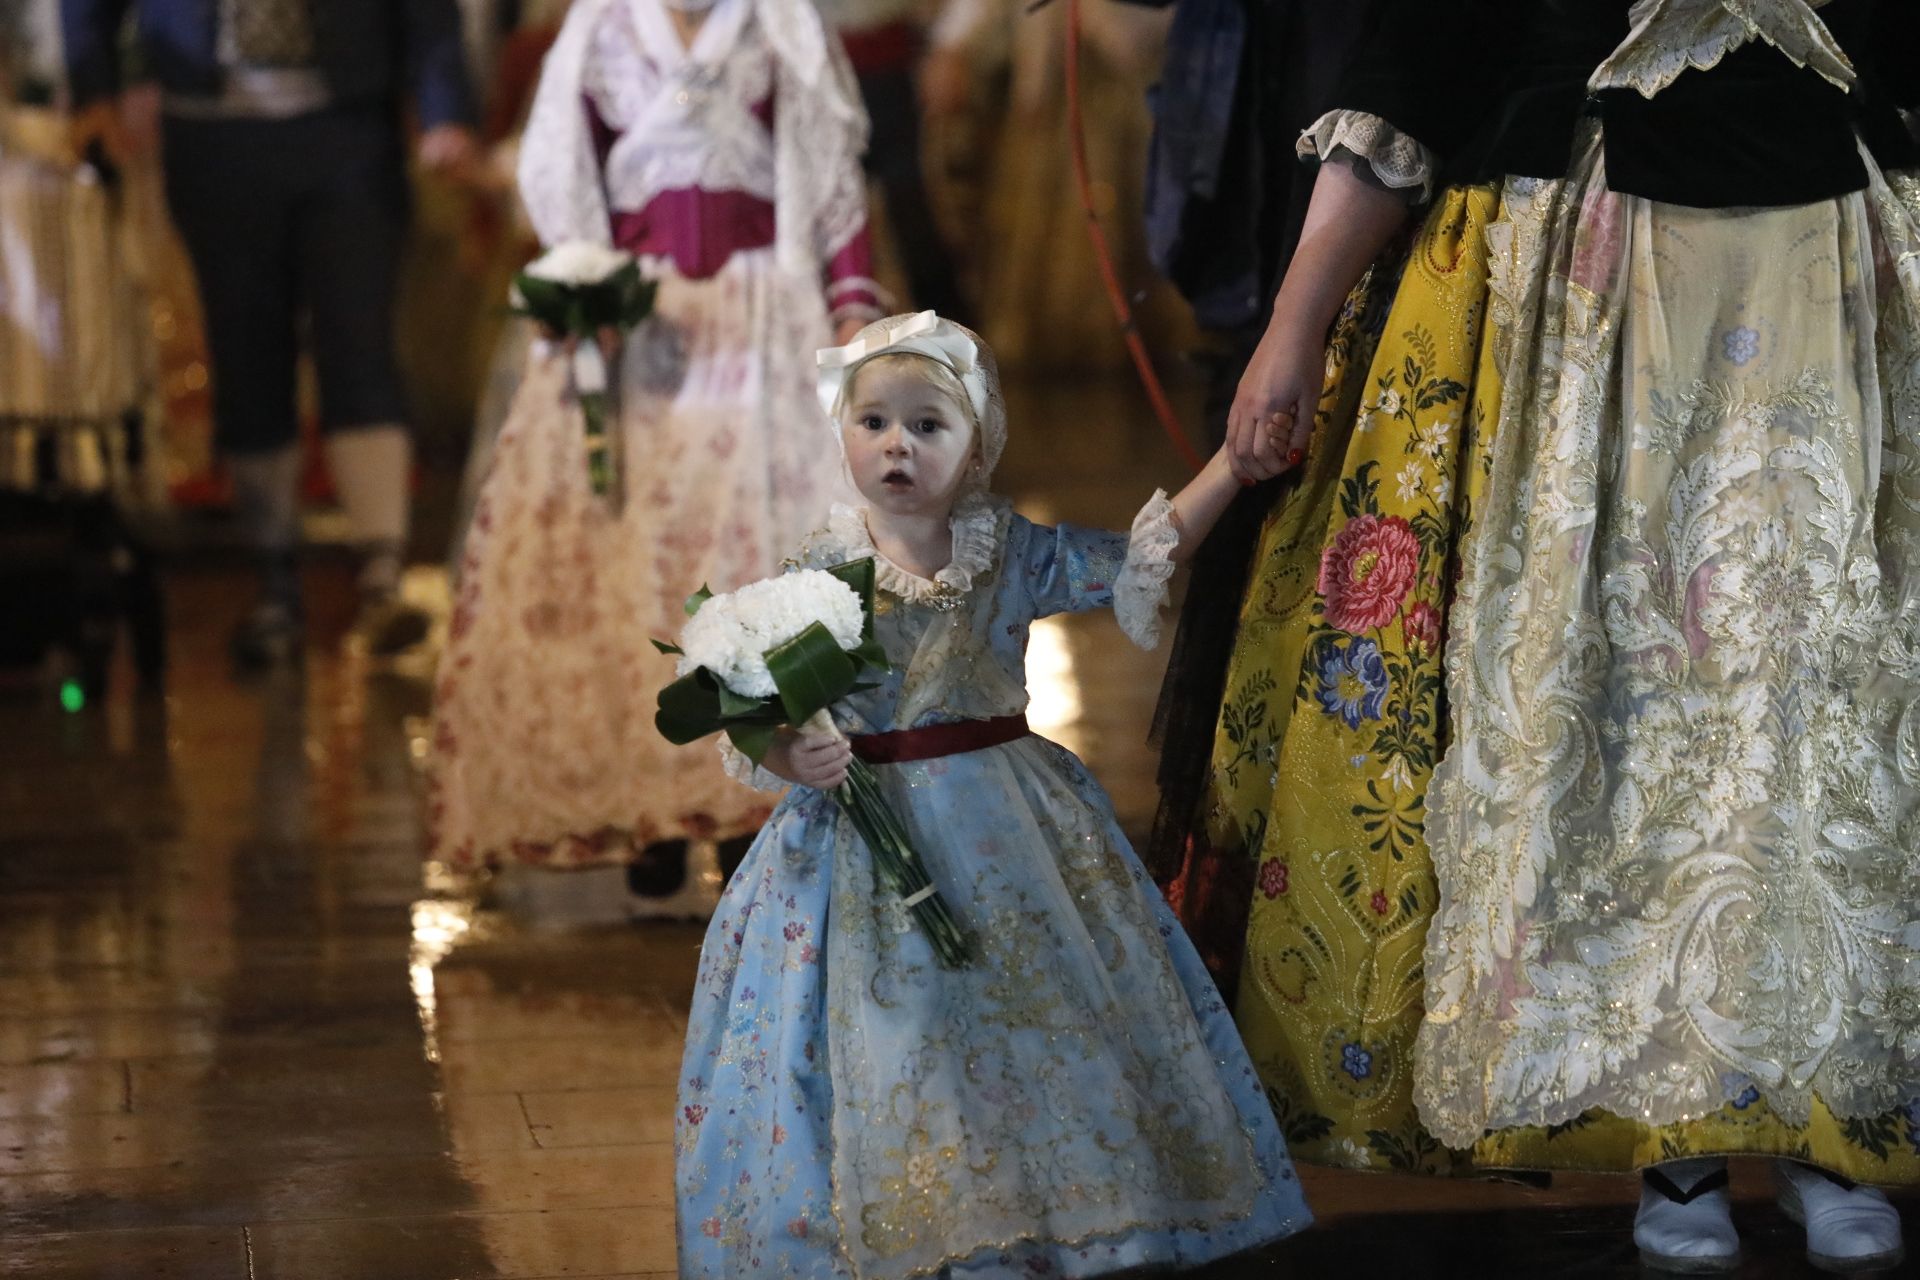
(1850, 1229)
(1685, 1226)
(697, 896)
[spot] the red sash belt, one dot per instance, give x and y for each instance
(904, 746)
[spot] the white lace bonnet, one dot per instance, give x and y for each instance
(935, 338)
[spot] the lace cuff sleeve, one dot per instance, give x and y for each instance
(1140, 590)
(1380, 152)
(745, 771)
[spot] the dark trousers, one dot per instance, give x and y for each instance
(893, 159)
(284, 219)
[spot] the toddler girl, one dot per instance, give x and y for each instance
(1075, 1102)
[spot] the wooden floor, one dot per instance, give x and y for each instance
(243, 1035)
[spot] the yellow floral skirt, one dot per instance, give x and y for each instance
(1333, 720)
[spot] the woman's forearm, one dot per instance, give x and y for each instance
(1349, 223)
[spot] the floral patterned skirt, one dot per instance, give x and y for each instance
(1073, 1104)
(544, 748)
(1681, 437)
(1331, 721)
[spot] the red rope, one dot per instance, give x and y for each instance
(1103, 255)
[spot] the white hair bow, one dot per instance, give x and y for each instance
(924, 334)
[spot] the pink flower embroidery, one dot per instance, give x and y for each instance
(1273, 877)
(1379, 903)
(797, 1228)
(779, 1135)
(711, 1228)
(1422, 628)
(1699, 594)
(1367, 571)
(695, 1113)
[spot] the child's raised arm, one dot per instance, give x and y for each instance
(1198, 507)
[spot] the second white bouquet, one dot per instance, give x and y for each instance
(576, 289)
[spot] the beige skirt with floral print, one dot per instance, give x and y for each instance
(1675, 832)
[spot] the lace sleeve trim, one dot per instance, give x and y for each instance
(744, 771)
(1140, 589)
(1398, 160)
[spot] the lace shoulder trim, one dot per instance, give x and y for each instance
(1398, 160)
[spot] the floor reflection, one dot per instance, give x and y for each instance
(211, 1053)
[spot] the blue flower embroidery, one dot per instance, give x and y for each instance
(1356, 1062)
(1739, 1090)
(1353, 681)
(1741, 344)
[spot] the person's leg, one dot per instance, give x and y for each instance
(893, 158)
(1850, 1228)
(660, 869)
(370, 466)
(232, 213)
(674, 880)
(1684, 1224)
(349, 231)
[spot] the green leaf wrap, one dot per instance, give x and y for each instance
(621, 301)
(689, 708)
(811, 671)
(752, 740)
(860, 575)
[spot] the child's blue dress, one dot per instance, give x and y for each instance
(1076, 1103)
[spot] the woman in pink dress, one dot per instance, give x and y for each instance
(721, 144)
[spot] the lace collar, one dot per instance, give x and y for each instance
(979, 522)
(1671, 36)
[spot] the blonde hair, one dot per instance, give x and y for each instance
(942, 378)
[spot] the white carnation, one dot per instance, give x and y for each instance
(731, 634)
(578, 262)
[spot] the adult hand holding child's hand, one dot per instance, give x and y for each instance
(1272, 416)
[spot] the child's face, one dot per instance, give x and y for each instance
(908, 443)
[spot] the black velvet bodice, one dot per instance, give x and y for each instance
(1499, 87)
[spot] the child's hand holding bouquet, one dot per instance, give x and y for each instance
(810, 758)
(763, 664)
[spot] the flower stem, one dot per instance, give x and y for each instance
(593, 407)
(898, 866)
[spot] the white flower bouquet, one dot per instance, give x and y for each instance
(777, 653)
(576, 289)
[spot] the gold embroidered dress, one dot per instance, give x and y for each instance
(1076, 1103)
(1641, 881)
